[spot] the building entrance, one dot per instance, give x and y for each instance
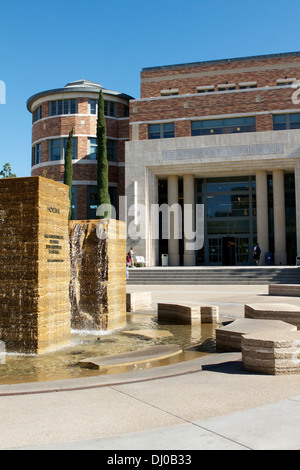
(228, 251)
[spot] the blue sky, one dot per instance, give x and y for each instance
(44, 45)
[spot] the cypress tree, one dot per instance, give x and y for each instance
(102, 176)
(68, 175)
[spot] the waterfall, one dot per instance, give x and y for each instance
(89, 271)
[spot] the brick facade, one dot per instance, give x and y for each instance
(84, 125)
(271, 75)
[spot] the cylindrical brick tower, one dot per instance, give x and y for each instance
(54, 113)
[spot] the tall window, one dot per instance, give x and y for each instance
(37, 114)
(223, 126)
(111, 148)
(59, 107)
(92, 143)
(92, 197)
(161, 131)
(286, 121)
(36, 154)
(110, 108)
(57, 149)
(92, 107)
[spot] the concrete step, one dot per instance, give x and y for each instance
(222, 275)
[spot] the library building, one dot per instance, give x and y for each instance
(223, 135)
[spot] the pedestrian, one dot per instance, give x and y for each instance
(256, 253)
(127, 265)
(131, 254)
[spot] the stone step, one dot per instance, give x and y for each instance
(206, 276)
(131, 358)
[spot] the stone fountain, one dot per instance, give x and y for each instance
(98, 274)
(55, 275)
(35, 309)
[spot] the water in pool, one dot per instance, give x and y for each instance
(195, 341)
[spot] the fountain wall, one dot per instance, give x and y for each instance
(98, 274)
(35, 313)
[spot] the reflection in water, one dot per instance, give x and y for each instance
(63, 364)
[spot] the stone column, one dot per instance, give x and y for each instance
(189, 219)
(297, 197)
(173, 243)
(262, 213)
(279, 217)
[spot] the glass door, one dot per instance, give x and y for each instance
(242, 250)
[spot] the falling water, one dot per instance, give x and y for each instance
(88, 256)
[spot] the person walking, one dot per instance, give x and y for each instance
(256, 253)
(131, 256)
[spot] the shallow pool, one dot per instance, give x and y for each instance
(195, 341)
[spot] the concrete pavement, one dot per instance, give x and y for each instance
(208, 403)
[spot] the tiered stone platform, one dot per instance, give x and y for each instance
(268, 337)
(285, 312)
(273, 352)
(291, 290)
(137, 301)
(187, 314)
(229, 337)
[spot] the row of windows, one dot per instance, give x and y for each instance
(59, 107)
(57, 149)
(224, 126)
(227, 87)
(70, 106)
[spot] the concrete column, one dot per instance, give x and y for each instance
(279, 217)
(173, 243)
(189, 258)
(297, 197)
(262, 213)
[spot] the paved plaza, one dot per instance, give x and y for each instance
(208, 403)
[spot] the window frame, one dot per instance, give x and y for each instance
(206, 89)
(37, 114)
(207, 127)
(63, 107)
(110, 108)
(111, 155)
(36, 154)
(92, 103)
(161, 132)
(286, 124)
(62, 146)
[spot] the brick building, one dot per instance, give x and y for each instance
(224, 136)
(54, 114)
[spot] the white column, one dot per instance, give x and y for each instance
(262, 212)
(297, 197)
(279, 217)
(189, 219)
(173, 243)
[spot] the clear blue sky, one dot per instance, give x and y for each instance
(45, 45)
